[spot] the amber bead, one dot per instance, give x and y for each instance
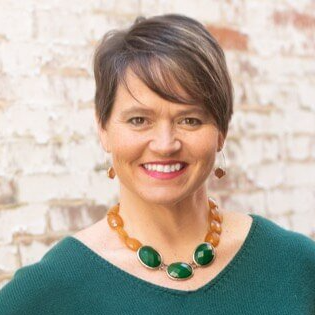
(216, 215)
(212, 204)
(114, 220)
(121, 233)
(133, 243)
(114, 209)
(215, 226)
(111, 173)
(213, 238)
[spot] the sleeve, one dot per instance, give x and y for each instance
(303, 254)
(25, 293)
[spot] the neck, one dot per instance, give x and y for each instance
(174, 229)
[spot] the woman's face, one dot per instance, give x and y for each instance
(159, 131)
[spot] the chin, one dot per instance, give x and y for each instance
(161, 196)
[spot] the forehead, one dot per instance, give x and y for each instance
(137, 91)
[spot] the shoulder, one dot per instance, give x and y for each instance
(271, 235)
(33, 287)
(293, 246)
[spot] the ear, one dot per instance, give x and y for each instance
(102, 134)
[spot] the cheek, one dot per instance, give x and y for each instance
(204, 146)
(127, 147)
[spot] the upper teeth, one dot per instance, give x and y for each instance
(163, 168)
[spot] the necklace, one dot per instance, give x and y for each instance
(204, 253)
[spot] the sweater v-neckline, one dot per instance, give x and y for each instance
(132, 278)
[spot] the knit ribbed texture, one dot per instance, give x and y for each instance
(272, 273)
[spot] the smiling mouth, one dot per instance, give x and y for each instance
(164, 168)
(165, 174)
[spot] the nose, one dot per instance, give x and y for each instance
(164, 142)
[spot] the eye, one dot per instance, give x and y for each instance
(136, 121)
(192, 121)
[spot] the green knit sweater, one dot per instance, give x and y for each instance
(272, 273)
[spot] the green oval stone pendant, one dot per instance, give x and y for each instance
(149, 257)
(180, 271)
(204, 254)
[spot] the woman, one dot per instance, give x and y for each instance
(163, 105)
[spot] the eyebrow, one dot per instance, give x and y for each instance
(139, 109)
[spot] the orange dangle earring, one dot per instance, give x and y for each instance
(111, 172)
(220, 171)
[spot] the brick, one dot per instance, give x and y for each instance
(125, 7)
(232, 12)
(59, 26)
(294, 118)
(276, 95)
(101, 189)
(65, 217)
(270, 39)
(6, 88)
(3, 105)
(301, 21)
(101, 21)
(281, 71)
(43, 187)
(312, 148)
(81, 156)
(60, 157)
(65, 72)
(22, 19)
(29, 219)
(84, 125)
(203, 10)
(303, 222)
(289, 200)
(273, 149)
(9, 260)
(74, 6)
(59, 58)
(246, 151)
(306, 95)
(298, 147)
(160, 7)
(8, 190)
(256, 123)
(21, 58)
(298, 174)
(46, 127)
(13, 123)
(229, 38)
(264, 149)
(116, 8)
(39, 90)
(18, 160)
(79, 89)
(257, 14)
(266, 176)
(246, 202)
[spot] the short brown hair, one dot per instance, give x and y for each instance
(159, 50)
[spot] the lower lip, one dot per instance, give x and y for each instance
(161, 175)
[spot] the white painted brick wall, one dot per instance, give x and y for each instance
(49, 150)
